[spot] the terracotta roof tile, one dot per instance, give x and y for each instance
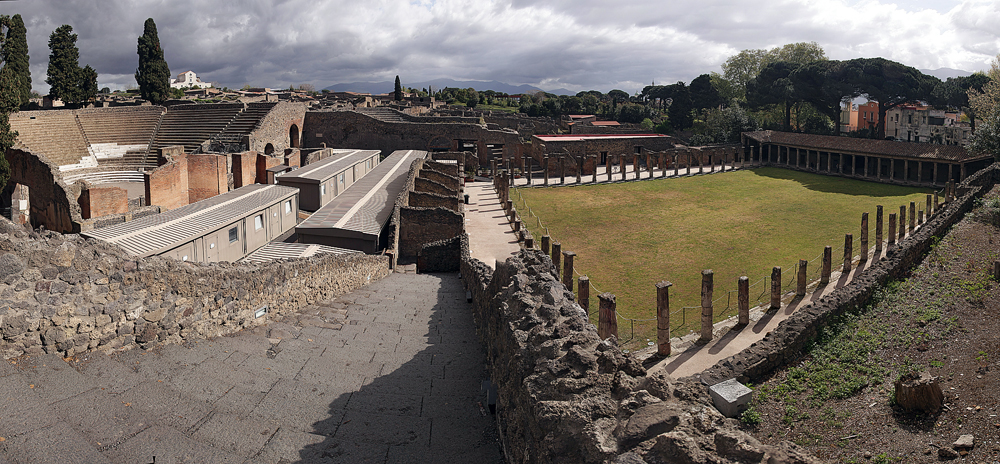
(866, 146)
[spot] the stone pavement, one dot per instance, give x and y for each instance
(389, 373)
(491, 237)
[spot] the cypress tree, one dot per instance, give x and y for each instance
(87, 88)
(64, 65)
(15, 57)
(9, 102)
(399, 90)
(153, 74)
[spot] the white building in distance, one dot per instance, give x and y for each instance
(189, 79)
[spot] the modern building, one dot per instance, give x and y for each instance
(322, 181)
(227, 227)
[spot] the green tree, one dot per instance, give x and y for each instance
(680, 108)
(398, 95)
(10, 101)
(472, 99)
(617, 97)
(889, 83)
(773, 86)
(64, 65)
(823, 85)
(15, 57)
(703, 93)
(745, 65)
(87, 86)
(153, 74)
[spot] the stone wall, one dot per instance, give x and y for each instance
(274, 128)
(441, 256)
(785, 343)
(433, 200)
(420, 226)
(264, 163)
(167, 185)
(102, 201)
(429, 186)
(566, 396)
(63, 294)
(207, 176)
(54, 208)
(244, 168)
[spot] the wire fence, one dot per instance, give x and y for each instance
(760, 290)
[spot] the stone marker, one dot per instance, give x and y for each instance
(824, 276)
(529, 242)
(800, 288)
(707, 287)
(568, 269)
(743, 301)
(848, 252)
(663, 318)
(731, 398)
(556, 252)
(964, 443)
(584, 296)
(864, 238)
(607, 323)
(776, 287)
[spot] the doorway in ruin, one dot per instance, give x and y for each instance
(293, 136)
(268, 149)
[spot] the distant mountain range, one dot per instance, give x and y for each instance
(437, 84)
(945, 73)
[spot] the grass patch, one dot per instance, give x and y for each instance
(629, 236)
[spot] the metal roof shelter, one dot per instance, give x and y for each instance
(323, 180)
(283, 250)
(357, 217)
(225, 227)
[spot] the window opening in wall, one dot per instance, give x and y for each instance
(638, 149)
(234, 234)
(341, 179)
(288, 206)
(322, 189)
(258, 222)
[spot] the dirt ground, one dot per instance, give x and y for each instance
(838, 401)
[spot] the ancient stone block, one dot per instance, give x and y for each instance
(919, 392)
(731, 398)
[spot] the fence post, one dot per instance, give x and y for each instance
(517, 223)
(913, 217)
(800, 289)
(936, 204)
(707, 286)
(607, 323)
(892, 229)
(864, 238)
(545, 244)
(824, 276)
(556, 252)
(927, 208)
(848, 252)
(902, 222)
(663, 318)
(568, 269)
(776, 287)
(878, 231)
(743, 300)
(545, 169)
(584, 296)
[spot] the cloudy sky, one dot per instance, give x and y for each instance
(572, 44)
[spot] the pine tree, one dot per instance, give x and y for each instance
(15, 57)
(64, 65)
(399, 90)
(153, 74)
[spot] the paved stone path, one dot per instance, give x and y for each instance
(389, 373)
(491, 237)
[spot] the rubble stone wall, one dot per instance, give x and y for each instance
(274, 128)
(55, 208)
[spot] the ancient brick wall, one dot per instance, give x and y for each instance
(244, 168)
(102, 201)
(54, 207)
(207, 176)
(430, 186)
(274, 128)
(66, 295)
(292, 157)
(420, 226)
(167, 185)
(446, 180)
(431, 200)
(264, 163)
(444, 168)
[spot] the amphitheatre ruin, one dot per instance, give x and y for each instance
(282, 281)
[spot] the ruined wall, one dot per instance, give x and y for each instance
(102, 201)
(264, 163)
(244, 168)
(207, 176)
(444, 168)
(785, 343)
(274, 128)
(54, 207)
(420, 226)
(65, 294)
(167, 185)
(566, 396)
(449, 181)
(441, 256)
(429, 186)
(432, 200)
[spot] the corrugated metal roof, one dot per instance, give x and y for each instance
(324, 169)
(283, 250)
(367, 204)
(160, 232)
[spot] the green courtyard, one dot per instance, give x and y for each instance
(629, 236)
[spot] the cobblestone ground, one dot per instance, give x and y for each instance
(389, 373)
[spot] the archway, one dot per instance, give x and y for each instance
(293, 136)
(268, 149)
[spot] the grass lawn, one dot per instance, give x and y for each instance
(629, 236)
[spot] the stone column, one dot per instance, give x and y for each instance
(824, 276)
(892, 229)
(568, 269)
(920, 217)
(527, 170)
(545, 169)
(579, 169)
(607, 322)
(545, 244)
(878, 231)
(562, 170)
(593, 179)
(848, 252)
(556, 252)
(607, 166)
(517, 224)
(913, 217)
(927, 207)
(776, 287)
(677, 168)
(707, 286)
(635, 166)
(902, 222)
(529, 242)
(584, 293)
(622, 163)
(743, 301)
(936, 204)
(800, 288)
(863, 250)
(701, 167)
(663, 318)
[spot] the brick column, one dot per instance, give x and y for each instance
(556, 252)
(584, 295)
(607, 323)
(800, 287)
(892, 229)
(545, 244)
(743, 300)
(707, 287)
(528, 169)
(848, 252)
(776, 287)
(663, 318)
(936, 204)
(878, 231)
(824, 276)
(864, 238)
(568, 269)
(635, 165)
